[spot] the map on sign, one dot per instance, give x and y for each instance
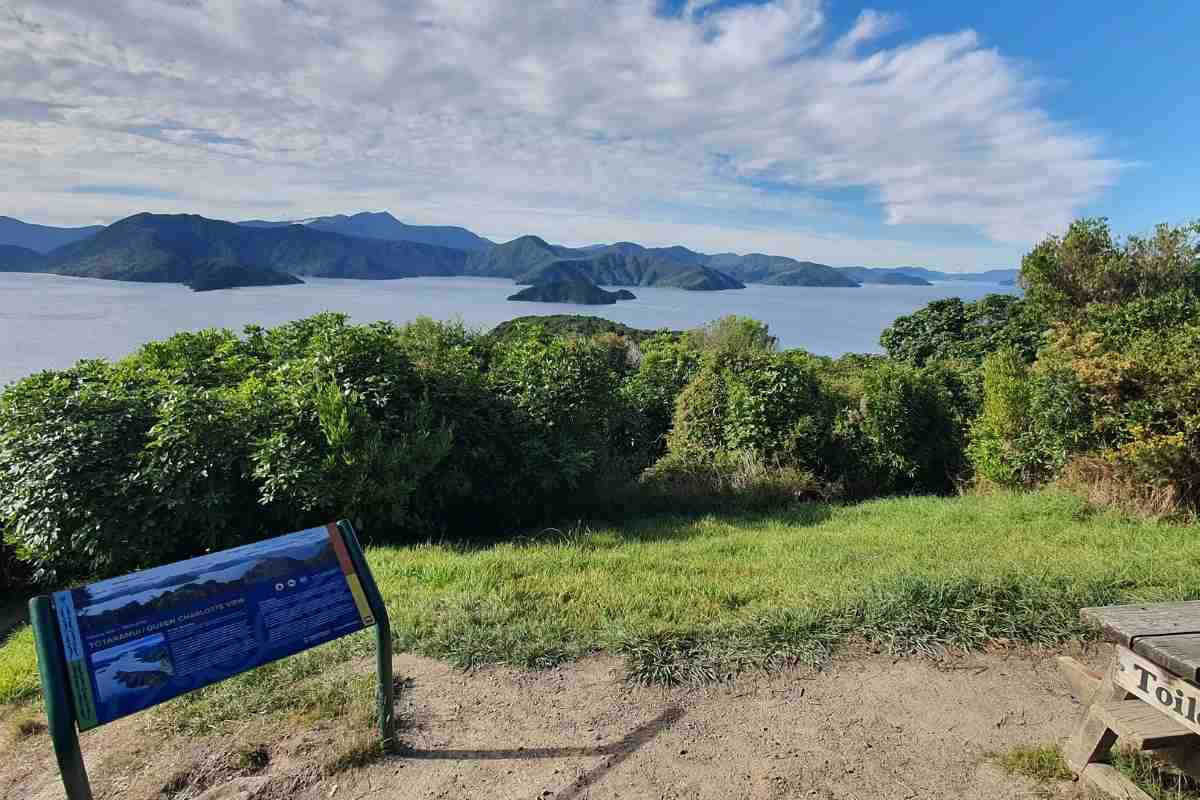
(137, 640)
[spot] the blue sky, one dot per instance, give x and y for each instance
(1123, 71)
(953, 135)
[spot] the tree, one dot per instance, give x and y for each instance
(1065, 275)
(950, 329)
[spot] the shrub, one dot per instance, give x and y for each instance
(69, 461)
(905, 433)
(772, 405)
(950, 329)
(1031, 423)
(207, 440)
(563, 393)
(665, 366)
(776, 406)
(732, 334)
(1064, 275)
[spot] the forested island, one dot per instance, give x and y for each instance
(578, 290)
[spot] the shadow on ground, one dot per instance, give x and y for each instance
(616, 752)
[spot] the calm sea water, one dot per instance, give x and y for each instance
(47, 321)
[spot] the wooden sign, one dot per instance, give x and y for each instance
(1170, 694)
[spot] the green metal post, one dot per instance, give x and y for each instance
(383, 635)
(60, 713)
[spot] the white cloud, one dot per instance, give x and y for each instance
(463, 111)
(870, 25)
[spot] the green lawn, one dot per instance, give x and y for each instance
(697, 598)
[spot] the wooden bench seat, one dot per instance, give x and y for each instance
(1141, 726)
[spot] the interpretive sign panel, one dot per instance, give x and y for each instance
(135, 641)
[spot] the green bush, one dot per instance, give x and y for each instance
(1032, 421)
(665, 365)
(70, 445)
(950, 329)
(203, 441)
(750, 420)
(564, 395)
(772, 405)
(1065, 275)
(777, 407)
(905, 433)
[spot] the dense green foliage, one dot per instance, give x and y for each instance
(1066, 275)
(953, 330)
(1112, 401)
(1091, 378)
(205, 439)
(858, 426)
(575, 325)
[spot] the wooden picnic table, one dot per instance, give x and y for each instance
(1150, 696)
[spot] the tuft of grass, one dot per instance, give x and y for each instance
(357, 752)
(1152, 779)
(18, 667)
(22, 723)
(1043, 764)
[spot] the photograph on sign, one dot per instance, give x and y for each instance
(134, 641)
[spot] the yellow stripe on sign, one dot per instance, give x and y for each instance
(360, 600)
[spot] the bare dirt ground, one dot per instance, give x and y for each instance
(863, 727)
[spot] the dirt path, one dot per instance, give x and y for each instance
(874, 727)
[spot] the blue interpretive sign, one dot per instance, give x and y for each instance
(134, 641)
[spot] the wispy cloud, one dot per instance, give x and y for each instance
(463, 109)
(124, 191)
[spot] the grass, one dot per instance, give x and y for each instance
(1154, 781)
(1043, 764)
(692, 599)
(696, 598)
(18, 667)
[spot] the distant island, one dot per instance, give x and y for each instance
(207, 254)
(224, 275)
(577, 290)
(884, 277)
(532, 260)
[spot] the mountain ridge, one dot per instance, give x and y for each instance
(176, 248)
(370, 245)
(41, 238)
(382, 225)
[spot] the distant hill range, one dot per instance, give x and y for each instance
(1005, 277)
(531, 260)
(383, 225)
(41, 238)
(20, 259)
(211, 254)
